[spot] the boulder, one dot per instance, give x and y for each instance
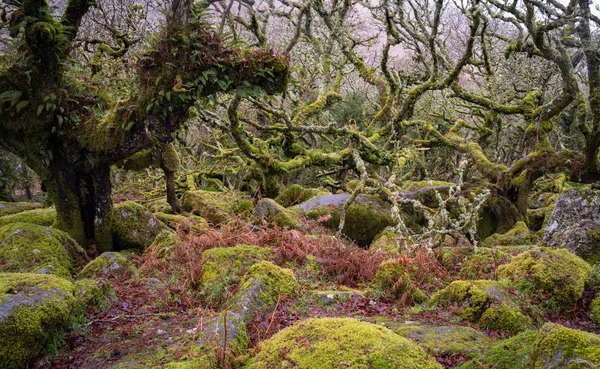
(44, 217)
(8, 208)
(296, 194)
(34, 309)
(224, 267)
(575, 224)
(270, 211)
(216, 207)
(133, 226)
(107, 264)
(485, 303)
(558, 347)
(512, 353)
(339, 343)
(560, 274)
(365, 218)
(518, 235)
(31, 248)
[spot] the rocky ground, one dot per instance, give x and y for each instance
(236, 284)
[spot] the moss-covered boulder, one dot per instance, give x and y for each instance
(163, 245)
(107, 264)
(8, 208)
(365, 218)
(485, 303)
(482, 263)
(224, 267)
(43, 217)
(394, 281)
(133, 226)
(575, 224)
(446, 340)
(91, 292)
(34, 309)
(339, 343)
(296, 194)
(387, 241)
(186, 223)
(512, 353)
(216, 207)
(270, 211)
(558, 347)
(517, 235)
(560, 274)
(30, 248)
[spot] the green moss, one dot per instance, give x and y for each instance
(170, 157)
(482, 264)
(385, 242)
(164, 244)
(109, 263)
(8, 208)
(133, 226)
(186, 223)
(26, 247)
(518, 235)
(511, 353)
(559, 273)
(296, 194)
(560, 347)
(270, 211)
(446, 340)
(91, 292)
(33, 310)
(394, 281)
(595, 310)
(205, 362)
(339, 343)
(224, 267)
(473, 299)
(216, 207)
(43, 217)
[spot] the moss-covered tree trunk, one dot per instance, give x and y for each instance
(171, 194)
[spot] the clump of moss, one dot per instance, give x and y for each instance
(595, 310)
(163, 244)
(511, 353)
(296, 194)
(224, 267)
(517, 235)
(270, 211)
(186, 223)
(482, 264)
(43, 217)
(483, 302)
(34, 309)
(8, 208)
(91, 292)
(133, 226)
(559, 273)
(216, 207)
(26, 247)
(560, 347)
(109, 263)
(385, 242)
(339, 342)
(394, 281)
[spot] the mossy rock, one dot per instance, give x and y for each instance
(395, 281)
(133, 226)
(559, 273)
(339, 343)
(44, 217)
(164, 244)
(224, 267)
(8, 208)
(34, 309)
(386, 242)
(558, 347)
(365, 218)
(159, 206)
(186, 223)
(91, 292)
(482, 263)
(30, 248)
(497, 215)
(446, 340)
(296, 194)
(485, 303)
(107, 264)
(216, 207)
(512, 353)
(269, 210)
(517, 235)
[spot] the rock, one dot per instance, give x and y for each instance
(185, 223)
(133, 226)
(216, 207)
(224, 267)
(512, 353)
(517, 235)
(91, 292)
(163, 245)
(339, 343)
(365, 218)
(8, 208)
(387, 241)
(446, 340)
(559, 273)
(485, 303)
(558, 347)
(34, 309)
(30, 248)
(272, 212)
(107, 264)
(44, 217)
(575, 224)
(296, 194)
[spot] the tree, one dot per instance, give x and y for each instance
(69, 134)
